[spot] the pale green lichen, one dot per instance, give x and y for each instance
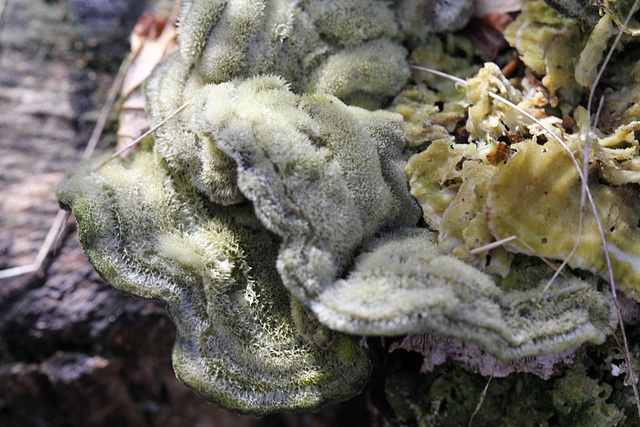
(593, 52)
(435, 178)
(449, 54)
(550, 223)
(567, 59)
(352, 22)
(465, 225)
(299, 41)
(488, 118)
(329, 180)
(150, 234)
(487, 205)
(357, 76)
(275, 212)
(183, 148)
(401, 283)
(349, 172)
(424, 121)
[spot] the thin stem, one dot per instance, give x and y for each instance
(439, 73)
(112, 95)
(57, 227)
(146, 134)
(483, 395)
(45, 249)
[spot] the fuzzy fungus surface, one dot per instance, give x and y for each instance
(278, 215)
(150, 234)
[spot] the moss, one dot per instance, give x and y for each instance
(584, 393)
(580, 400)
(450, 395)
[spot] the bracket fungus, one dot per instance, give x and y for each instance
(275, 216)
(149, 233)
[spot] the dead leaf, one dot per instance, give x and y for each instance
(152, 40)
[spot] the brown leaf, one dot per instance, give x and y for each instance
(486, 34)
(152, 40)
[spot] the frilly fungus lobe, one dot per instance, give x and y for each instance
(150, 234)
